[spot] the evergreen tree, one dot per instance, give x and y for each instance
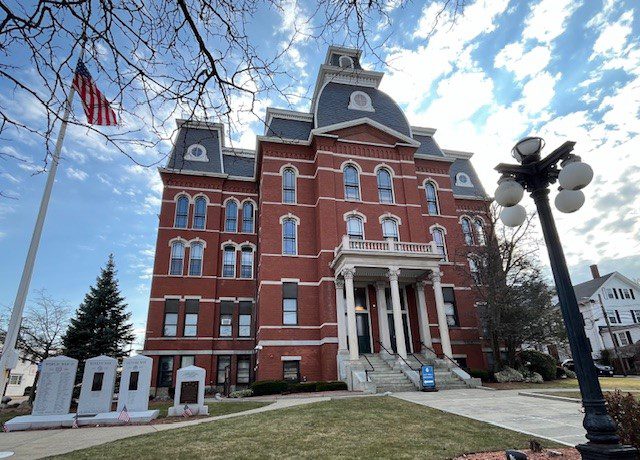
(101, 324)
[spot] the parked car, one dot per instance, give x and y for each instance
(604, 371)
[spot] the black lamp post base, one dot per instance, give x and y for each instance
(591, 451)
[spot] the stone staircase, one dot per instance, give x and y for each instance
(388, 376)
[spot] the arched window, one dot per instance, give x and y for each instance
(480, 235)
(355, 228)
(246, 263)
(195, 259)
(385, 187)
(467, 231)
(473, 268)
(247, 217)
(345, 62)
(229, 262)
(289, 237)
(438, 238)
(432, 198)
(351, 183)
(231, 217)
(177, 258)
(199, 212)
(182, 212)
(390, 229)
(288, 186)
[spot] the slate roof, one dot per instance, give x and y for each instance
(290, 129)
(462, 165)
(333, 102)
(236, 165)
(208, 138)
(588, 288)
(428, 146)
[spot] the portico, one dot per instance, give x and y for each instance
(391, 267)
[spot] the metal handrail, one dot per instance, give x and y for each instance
(366, 371)
(443, 355)
(399, 356)
(417, 359)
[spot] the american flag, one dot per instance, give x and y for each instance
(95, 105)
(75, 421)
(124, 415)
(187, 412)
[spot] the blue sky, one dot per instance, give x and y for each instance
(564, 69)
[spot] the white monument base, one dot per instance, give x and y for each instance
(40, 422)
(177, 411)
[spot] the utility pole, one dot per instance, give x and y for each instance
(613, 340)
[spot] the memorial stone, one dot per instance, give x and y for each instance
(135, 383)
(98, 383)
(189, 391)
(55, 386)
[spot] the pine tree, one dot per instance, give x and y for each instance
(101, 324)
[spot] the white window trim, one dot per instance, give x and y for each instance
(253, 260)
(469, 184)
(393, 190)
(471, 229)
(296, 222)
(185, 243)
(444, 238)
(355, 215)
(253, 217)
(296, 173)
(341, 58)
(352, 102)
(389, 216)
(224, 204)
(206, 208)
(235, 260)
(204, 246)
(176, 198)
(344, 182)
(435, 186)
(189, 155)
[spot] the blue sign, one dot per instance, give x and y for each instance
(428, 378)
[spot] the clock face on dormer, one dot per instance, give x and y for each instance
(360, 100)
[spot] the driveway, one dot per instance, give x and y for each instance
(559, 421)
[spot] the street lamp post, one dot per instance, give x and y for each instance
(535, 174)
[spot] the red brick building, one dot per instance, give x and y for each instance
(347, 225)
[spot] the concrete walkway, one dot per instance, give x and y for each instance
(45, 443)
(559, 421)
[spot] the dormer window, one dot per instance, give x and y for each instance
(359, 100)
(463, 180)
(196, 152)
(345, 62)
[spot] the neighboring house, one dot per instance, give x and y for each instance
(620, 298)
(286, 261)
(21, 378)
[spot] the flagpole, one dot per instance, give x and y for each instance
(9, 357)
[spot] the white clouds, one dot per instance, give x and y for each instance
(76, 174)
(548, 19)
(538, 92)
(10, 177)
(523, 64)
(613, 37)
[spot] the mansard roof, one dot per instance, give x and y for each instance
(209, 135)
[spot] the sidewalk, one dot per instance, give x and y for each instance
(45, 443)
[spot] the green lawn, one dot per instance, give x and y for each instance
(219, 408)
(375, 427)
(607, 383)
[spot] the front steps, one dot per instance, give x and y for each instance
(388, 376)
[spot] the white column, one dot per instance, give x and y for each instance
(423, 316)
(342, 327)
(445, 341)
(397, 311)
(383, 319)
(354, 353)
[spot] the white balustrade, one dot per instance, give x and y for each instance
(386, 246)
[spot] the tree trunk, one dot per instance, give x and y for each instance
(32, 393)
(497, 357)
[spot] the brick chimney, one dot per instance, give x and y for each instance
(594, 271)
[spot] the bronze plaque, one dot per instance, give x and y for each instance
(189, 393)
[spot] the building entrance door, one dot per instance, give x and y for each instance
(364, 338)
(405, 322)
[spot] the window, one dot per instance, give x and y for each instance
(229, 262)
(231, 217)
(187, 360)
(623, 340)
(432, 198)
(355, 228)
(385, 187)
(291, 371)
(199, 213)
(243, 371)
(224, 363)
(170, 327)
(177, 258)
(191, 310)
(345, 62)
(390, 229)
(289, 244)
(226, 319)
(246, 263)
(635, 314)
(165, 371)
(466, 231)
(626, 293)
(463, 180)
(15, 379)
(351, 183)
(247, 217)
(609, 293)
(480, 236)
(450, 306)
(244, 319)
(359, 100)
(438, 238)
(196, 152)
(475, 273)
(195, 259)
(288, 186)
(289, 303)
(182, 212)
(614, 316)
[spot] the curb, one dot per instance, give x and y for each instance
(551, 397)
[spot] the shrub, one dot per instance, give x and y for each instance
(561, 372)
(241, 393)
(485, 376)
(508, 375)
(570, 374)
(536, 361)
(625, 410)
(331, 386)
(533, 377)
(269, 387)
(303, 387)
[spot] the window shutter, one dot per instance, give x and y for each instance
(171, 305)
(629, 337)
(633, 296)
(192, 306)
(618, 316)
